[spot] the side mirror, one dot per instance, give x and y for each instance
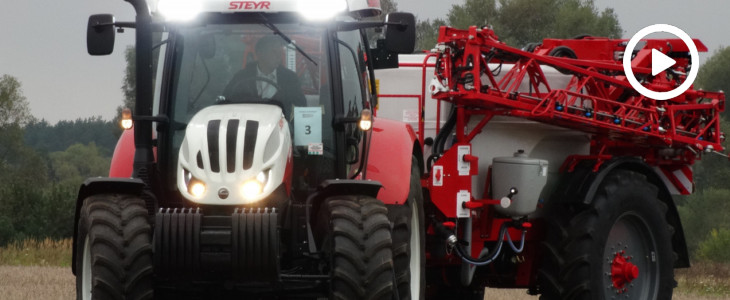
(100, 34)
(382, 58)
(400, 37)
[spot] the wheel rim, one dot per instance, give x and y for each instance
(630, 262)
(86, 271)
(415, 254)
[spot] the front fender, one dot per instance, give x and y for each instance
(389, 159)
(123, 158)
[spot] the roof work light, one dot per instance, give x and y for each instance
(179, 10)
(318, 10)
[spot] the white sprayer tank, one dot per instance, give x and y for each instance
(527, 175)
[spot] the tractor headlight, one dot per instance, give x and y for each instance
(196, 187)
(253, 188)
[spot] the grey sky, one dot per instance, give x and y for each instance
(44, 45)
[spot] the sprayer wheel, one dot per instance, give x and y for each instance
(618, 245)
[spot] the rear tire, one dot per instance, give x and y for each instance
(114, 251)
(625, 219)
(409, 240)
(357, 246)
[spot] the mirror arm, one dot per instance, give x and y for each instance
(400, 25)
(158, 118)
(117, 24)
(125, 24)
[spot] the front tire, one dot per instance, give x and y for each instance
(114, 251)
(357, 245)
(618, 246)
(409, 241)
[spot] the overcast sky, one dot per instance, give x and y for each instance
(44, 45)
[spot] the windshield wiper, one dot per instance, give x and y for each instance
(276, 30)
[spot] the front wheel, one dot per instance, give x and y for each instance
(409, 241)
(618, 247)
(114, 252)
(357, 245)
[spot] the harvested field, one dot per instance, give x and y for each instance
(34, 282)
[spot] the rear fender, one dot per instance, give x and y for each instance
(581, 186)
(101, 185)
(389, 159)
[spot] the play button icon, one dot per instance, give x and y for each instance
(660, 62)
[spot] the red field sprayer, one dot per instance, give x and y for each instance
(544, 169)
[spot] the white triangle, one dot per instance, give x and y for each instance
(660, 62)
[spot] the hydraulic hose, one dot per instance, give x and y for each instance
(464, 254)
(445, 132)
(443, 135)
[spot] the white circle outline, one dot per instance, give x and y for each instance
(694, 55)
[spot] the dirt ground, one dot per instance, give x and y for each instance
(58, 283)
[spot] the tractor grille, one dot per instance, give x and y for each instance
(243, 246)
(226, 158)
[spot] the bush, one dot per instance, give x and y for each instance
(702, 212)
(716, 247)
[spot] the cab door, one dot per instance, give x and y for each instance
(351, 70)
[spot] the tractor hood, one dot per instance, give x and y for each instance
(234, 154)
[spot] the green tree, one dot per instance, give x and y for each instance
(427, 33)
(713, 74)
(23, 172)
(47, 138)
(473, 12)
(712, 171)
(715, 247)
(518, 22)
(702, 212)
(13, 105)
(77, 163)
(129, 84)
(14, 114)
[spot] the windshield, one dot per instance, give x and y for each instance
(238, 63)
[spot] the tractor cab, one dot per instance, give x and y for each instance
(247, 91)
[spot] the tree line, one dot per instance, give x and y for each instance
(42, 166)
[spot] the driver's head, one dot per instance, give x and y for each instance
(269, 52)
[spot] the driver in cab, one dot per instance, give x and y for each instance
(266, 78)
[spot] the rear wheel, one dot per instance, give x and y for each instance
(619, 246)
(409, 241)
(114, 252)
(357, 246)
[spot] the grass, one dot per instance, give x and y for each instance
(32, 252)
(32, 264)
(704, 278)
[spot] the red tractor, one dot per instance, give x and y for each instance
(247, 169)
(549, 171)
